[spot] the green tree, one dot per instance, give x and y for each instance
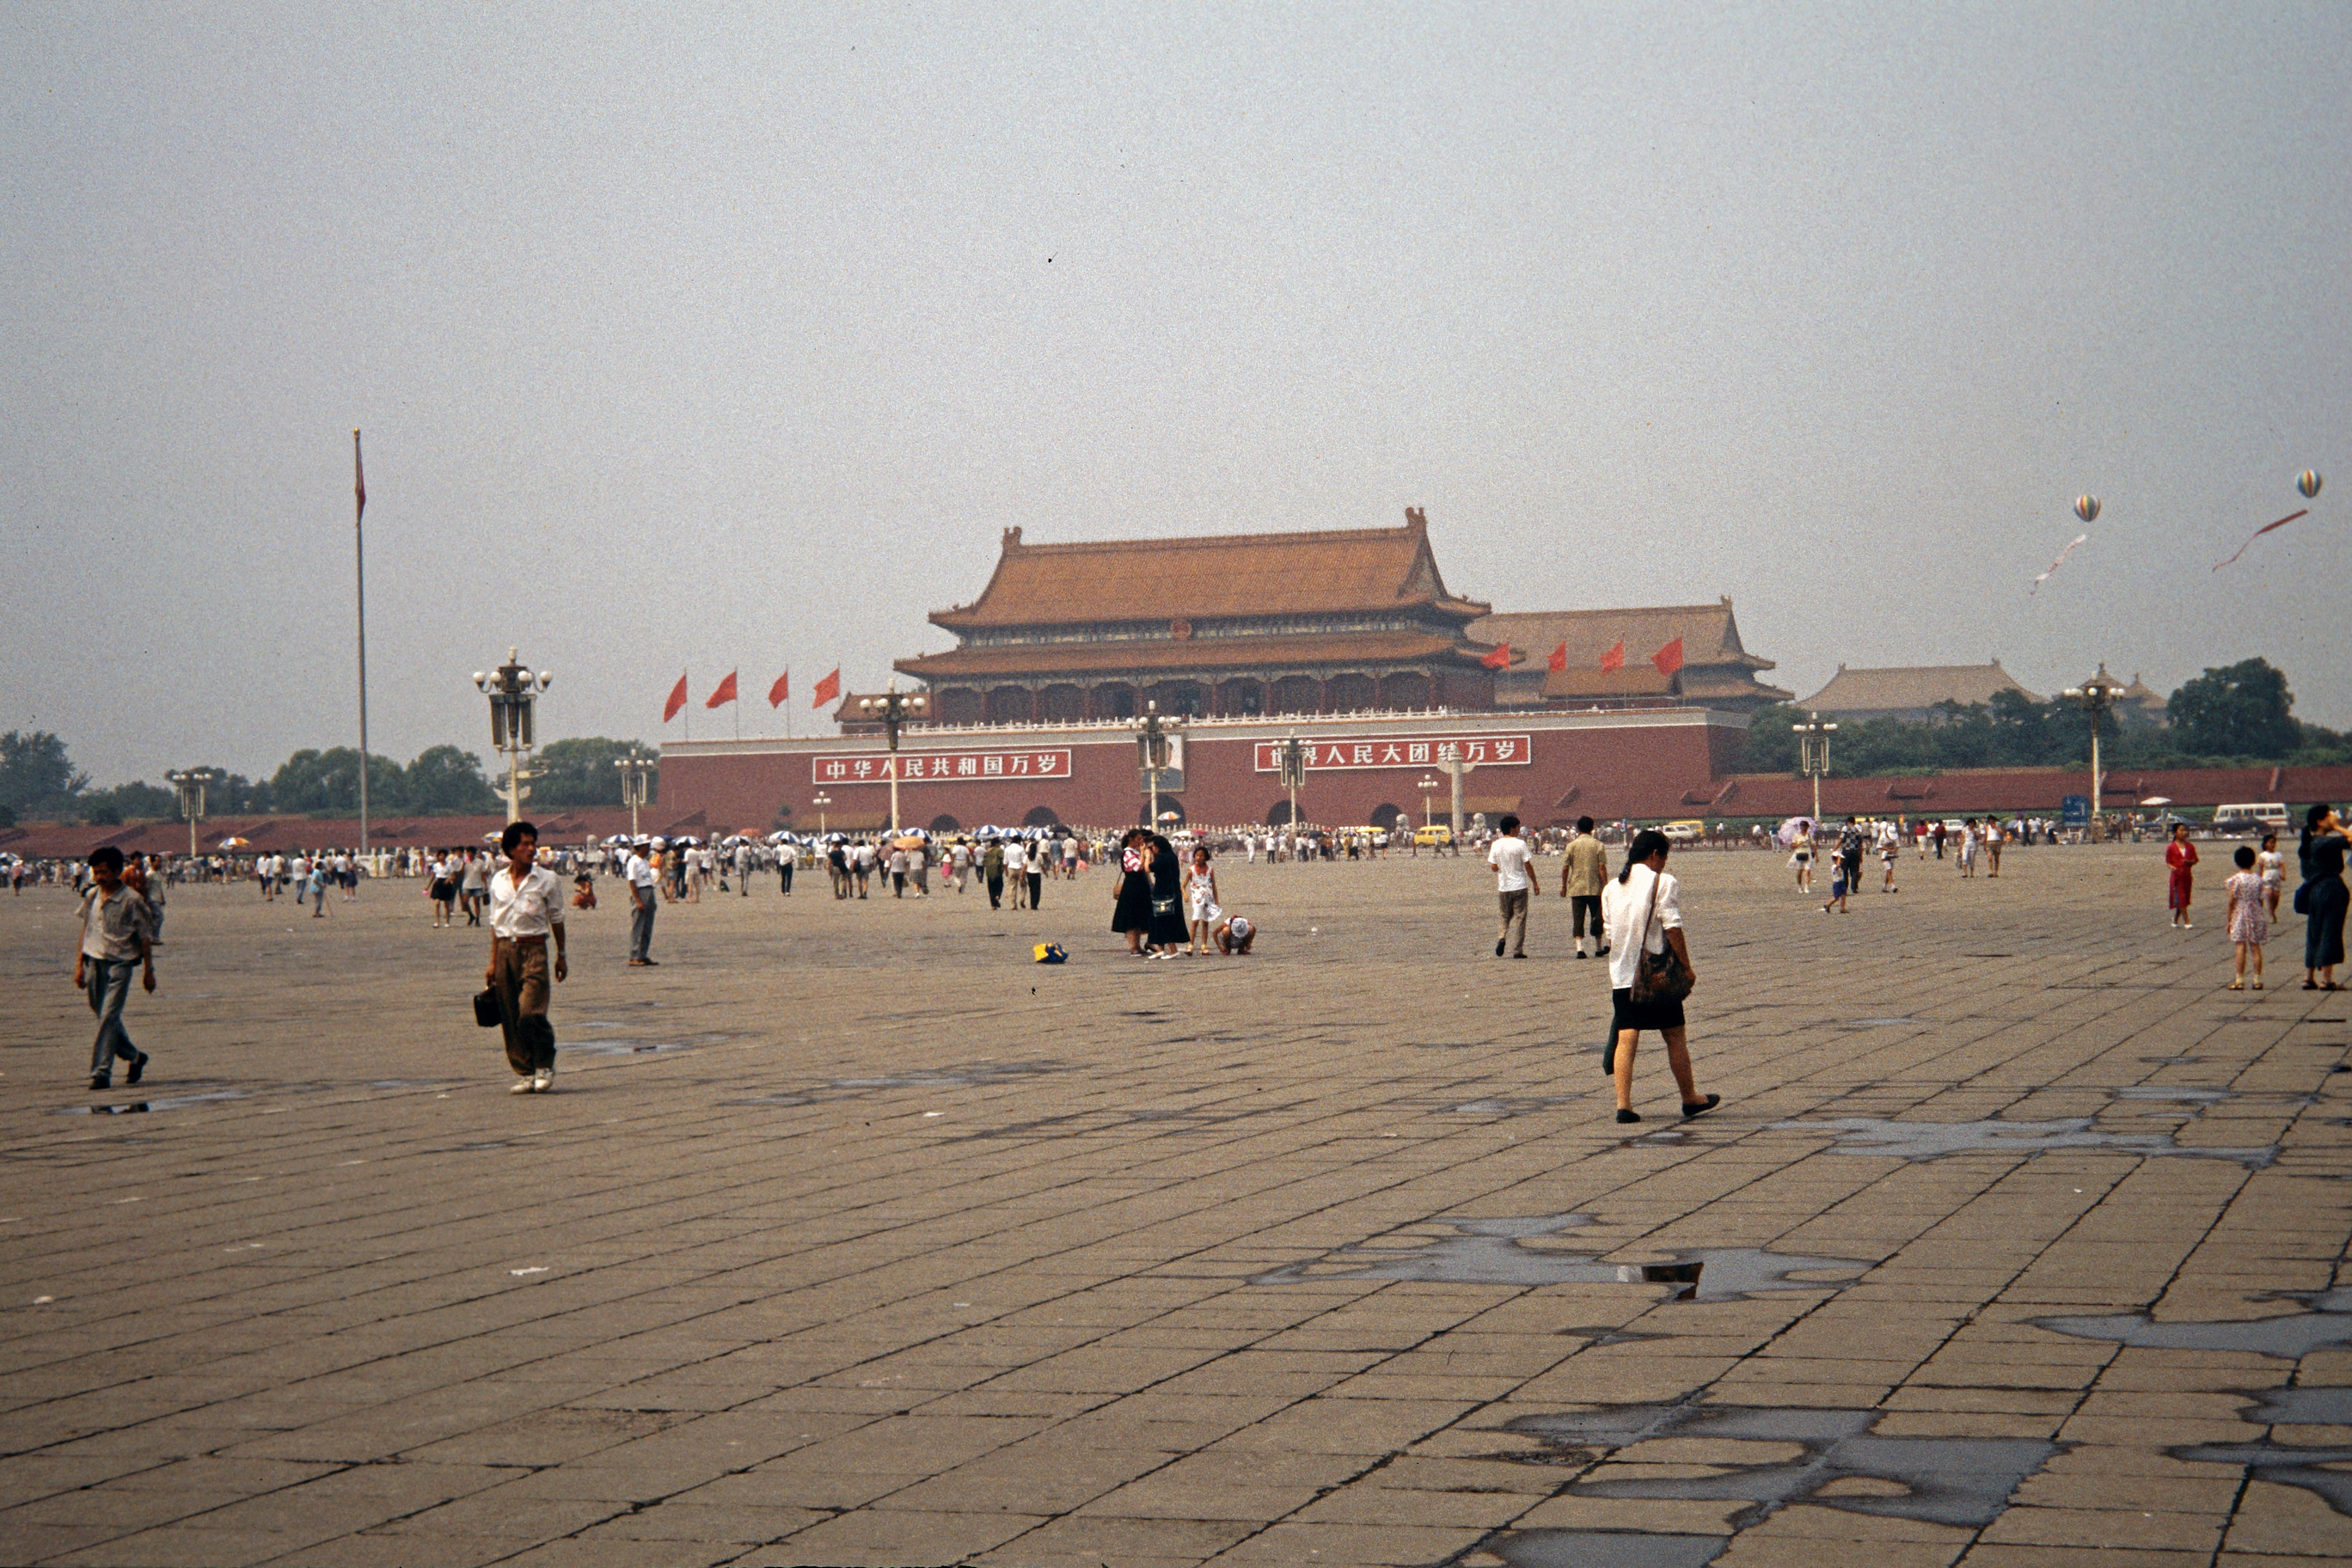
(446, 780)
(326, 783)
(579, 772)
(2242, 710)
(133, 801)
(35, 771)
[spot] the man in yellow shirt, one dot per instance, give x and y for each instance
(1582, 877)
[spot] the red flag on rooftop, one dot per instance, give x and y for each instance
(676, 700)
(1500, 658)
(828, 688)
(781, 689)
(726, 693)
(1558, 661)
(1615, 657)
(1669, 659)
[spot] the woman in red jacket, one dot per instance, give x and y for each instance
(2181, 856)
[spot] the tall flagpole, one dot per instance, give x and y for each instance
(359, 557)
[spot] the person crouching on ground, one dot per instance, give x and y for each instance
(118, 932)
(1642, 912)
(526, 909)
(1233, 935)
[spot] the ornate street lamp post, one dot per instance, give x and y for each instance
(512, 689)
(2096, 696)
(1151, 754)
(821, 800)
(637, 777)
(894, 707)
(1450, 759)
(189, 784)
(1813, 754)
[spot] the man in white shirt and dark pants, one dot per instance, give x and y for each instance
(526, 909)
(640, 874)
(1509, 857)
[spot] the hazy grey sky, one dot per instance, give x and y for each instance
(691, 336)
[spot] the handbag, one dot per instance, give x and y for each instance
(2302, 899)
(1657, 976)
(1162, 908)
(485, 1009)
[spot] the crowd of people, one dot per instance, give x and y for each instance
(1164, 893)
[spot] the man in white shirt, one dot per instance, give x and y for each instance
(1017, 869)
(639, 872)
(526, 909)
(1509, 857)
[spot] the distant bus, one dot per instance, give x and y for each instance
(2251, 816)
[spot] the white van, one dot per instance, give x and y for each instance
(2250, 817)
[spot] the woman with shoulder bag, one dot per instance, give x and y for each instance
(1649, 970)
(2322, 900)
(1169, 929)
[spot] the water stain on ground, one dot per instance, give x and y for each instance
(1963, 1482)
(1935, 1140)
(1494, 1252)
(2289, 1464)
(2326, 1319)
(155, 1103)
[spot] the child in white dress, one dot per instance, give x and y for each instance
(2250, 924)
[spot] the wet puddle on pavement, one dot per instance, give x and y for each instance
(1492, 1252)
(151, 1103)
(2289, 1464)
(618, 1045)
(1956, 1482)
(2326, 1319)
(972, 1074)
(1935, 1140)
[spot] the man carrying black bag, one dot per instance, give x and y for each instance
(526, 909)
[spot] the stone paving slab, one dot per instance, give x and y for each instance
(851, 1236)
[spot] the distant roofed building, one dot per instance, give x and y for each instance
(1235, 624)
(1717, 670)
(1910, 691)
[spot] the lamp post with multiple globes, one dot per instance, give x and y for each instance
(512, 689)
(894, 707)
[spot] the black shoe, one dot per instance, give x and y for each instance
(1579, 952)
(101, 1081)
(1629, 1116)
(138, 1066)
(1700, 1107)
(1518, 955)
(1602, 953)
(1499, 947)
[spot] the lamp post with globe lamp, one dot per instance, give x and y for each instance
(189, 784)
(1813, 755)
(820, 800)
(637, 775)
(512, 689)
(2096, 696)
(1428, 787)
(894, 707)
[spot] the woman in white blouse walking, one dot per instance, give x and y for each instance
(1642, 907)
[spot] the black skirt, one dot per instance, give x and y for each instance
(1133, 911)
(1170, 929)
(1656, 1013)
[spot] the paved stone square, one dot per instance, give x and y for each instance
(854, 1237)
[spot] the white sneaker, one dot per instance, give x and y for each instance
(524, 1086)
(545, 1083)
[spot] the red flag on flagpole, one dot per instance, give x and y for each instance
(1669, 659)
(828, 688)
(1615, 657)
(725, 694)
(1558, 661)
(781, 689)
(676, 700)
(1499, 658)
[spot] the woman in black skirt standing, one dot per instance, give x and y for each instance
(1641, 909)
(1169, 930)
(1131, 911)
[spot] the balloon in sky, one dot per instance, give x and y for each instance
(2087, 508)
(2308, 482)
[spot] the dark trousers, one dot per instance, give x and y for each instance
(996, 891)
(641, 923)
(1036, 883)
(784, 876)
(519, 974)
(1579, 905)
(108, 983)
